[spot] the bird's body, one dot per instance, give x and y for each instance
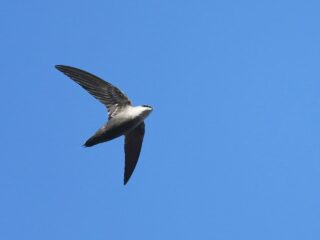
(121, 124)
(124, 119)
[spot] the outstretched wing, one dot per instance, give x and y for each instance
(105, 92)
(132, 147)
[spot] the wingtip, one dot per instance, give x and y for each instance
(125, 181)
(59, 67)
(66, 68)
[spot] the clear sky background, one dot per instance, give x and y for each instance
(232, 148)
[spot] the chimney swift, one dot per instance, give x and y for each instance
(123, 118)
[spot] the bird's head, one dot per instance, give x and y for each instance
(147, 109)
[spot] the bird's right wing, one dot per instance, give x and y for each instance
(105, 92)
(132, 147)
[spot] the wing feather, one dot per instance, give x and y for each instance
(132, 146)
(105, 92)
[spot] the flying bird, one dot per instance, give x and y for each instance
(123, 118)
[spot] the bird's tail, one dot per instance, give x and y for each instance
(98, 137)
(102, 135)
(90, 142)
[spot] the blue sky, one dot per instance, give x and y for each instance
(232, 148)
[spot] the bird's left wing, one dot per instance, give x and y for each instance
(132, 147)
(105, 92)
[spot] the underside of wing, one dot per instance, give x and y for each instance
(132, 147)
(105, 92)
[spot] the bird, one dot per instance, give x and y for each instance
(124, 119)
